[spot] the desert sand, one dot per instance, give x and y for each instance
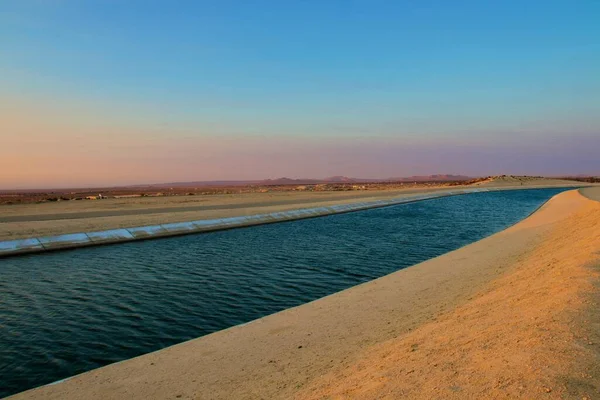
(511, 316)
(49, 219)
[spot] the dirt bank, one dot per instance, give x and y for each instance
(527, 335)
(501, 318)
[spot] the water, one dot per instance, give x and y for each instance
(68, 312)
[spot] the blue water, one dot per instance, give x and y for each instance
(68, 312)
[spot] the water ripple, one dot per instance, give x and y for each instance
(68, 312)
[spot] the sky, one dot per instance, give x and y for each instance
(111, 92)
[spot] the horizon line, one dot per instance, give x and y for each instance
(318, 180)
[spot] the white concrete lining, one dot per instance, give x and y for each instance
(179, 227)
(113, 235)
(62, 241)
(142, 232)
(21, 246)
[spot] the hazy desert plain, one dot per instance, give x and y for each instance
(47, 219)
(510, 316)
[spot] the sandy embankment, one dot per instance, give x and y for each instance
(506, 317)
(35, 220)
(531, 333)
(49, 219)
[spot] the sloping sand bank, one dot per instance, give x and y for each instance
(530, 334)
(506, 317)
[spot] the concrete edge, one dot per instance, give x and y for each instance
(10, 248)
(589, 193)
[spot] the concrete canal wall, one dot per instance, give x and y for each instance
(69, 241)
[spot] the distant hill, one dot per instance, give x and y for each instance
(198, 184)
(310, 181)
(429, 178)
(333, 179)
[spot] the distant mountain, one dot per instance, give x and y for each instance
(198, 184)
(309, 181)
(342, 179)
(332, 179)
(288, 181)
(430, 178)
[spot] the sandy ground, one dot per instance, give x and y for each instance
(511, 316)
(528, 335)
(48, 219)
(527, 181)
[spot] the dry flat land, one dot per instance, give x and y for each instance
(511, 316)
(46, 219)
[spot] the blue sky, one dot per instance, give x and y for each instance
(508, 74)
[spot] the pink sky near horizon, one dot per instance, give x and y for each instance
(62, 145)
